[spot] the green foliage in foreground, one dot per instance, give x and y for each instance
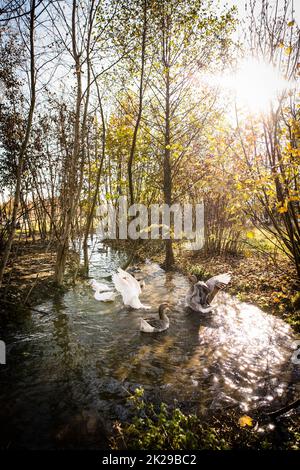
(163, 428)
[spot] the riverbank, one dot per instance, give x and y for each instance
(29, 277)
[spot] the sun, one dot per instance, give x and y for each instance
(256, 85)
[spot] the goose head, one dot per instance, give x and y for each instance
(163, 310)
(140, 281)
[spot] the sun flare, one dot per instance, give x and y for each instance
(256, 85)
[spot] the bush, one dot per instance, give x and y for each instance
(164, 429)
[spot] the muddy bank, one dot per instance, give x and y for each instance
(29, 277)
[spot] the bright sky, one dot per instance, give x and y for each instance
(241, 7)
(256, 85)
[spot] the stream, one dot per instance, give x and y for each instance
(69, 371)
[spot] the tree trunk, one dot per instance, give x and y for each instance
(71, 201)
(90, 216)
(169, 255)
(140, 110)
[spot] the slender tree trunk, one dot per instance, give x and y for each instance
(63, 245)
(169, 255)
(140, 109)
(96, 192)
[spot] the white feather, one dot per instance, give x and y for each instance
(222, 278)
(99, 286)
(131, 281)
(103, 292)
(145, 327)
(105, 296)
(129, 288)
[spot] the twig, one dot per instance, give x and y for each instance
(285, 409)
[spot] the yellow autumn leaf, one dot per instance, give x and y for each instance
(245, 421)
(282, 209)
(291, 23)
(250, 235)
(168, 147)
(288, 50)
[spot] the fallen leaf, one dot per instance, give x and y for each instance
(245, 421)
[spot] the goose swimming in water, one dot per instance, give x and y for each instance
(103, 292)
(125, 284)
(129, 288)
(202, 293)
(157, 325)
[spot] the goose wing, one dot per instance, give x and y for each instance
(129, 288)
(122, 287)
(132, 282)
(157, 326)
(145, 327)
(218, 281)
(126, 285)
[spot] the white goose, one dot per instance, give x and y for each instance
(103, 293)
(129, 288)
